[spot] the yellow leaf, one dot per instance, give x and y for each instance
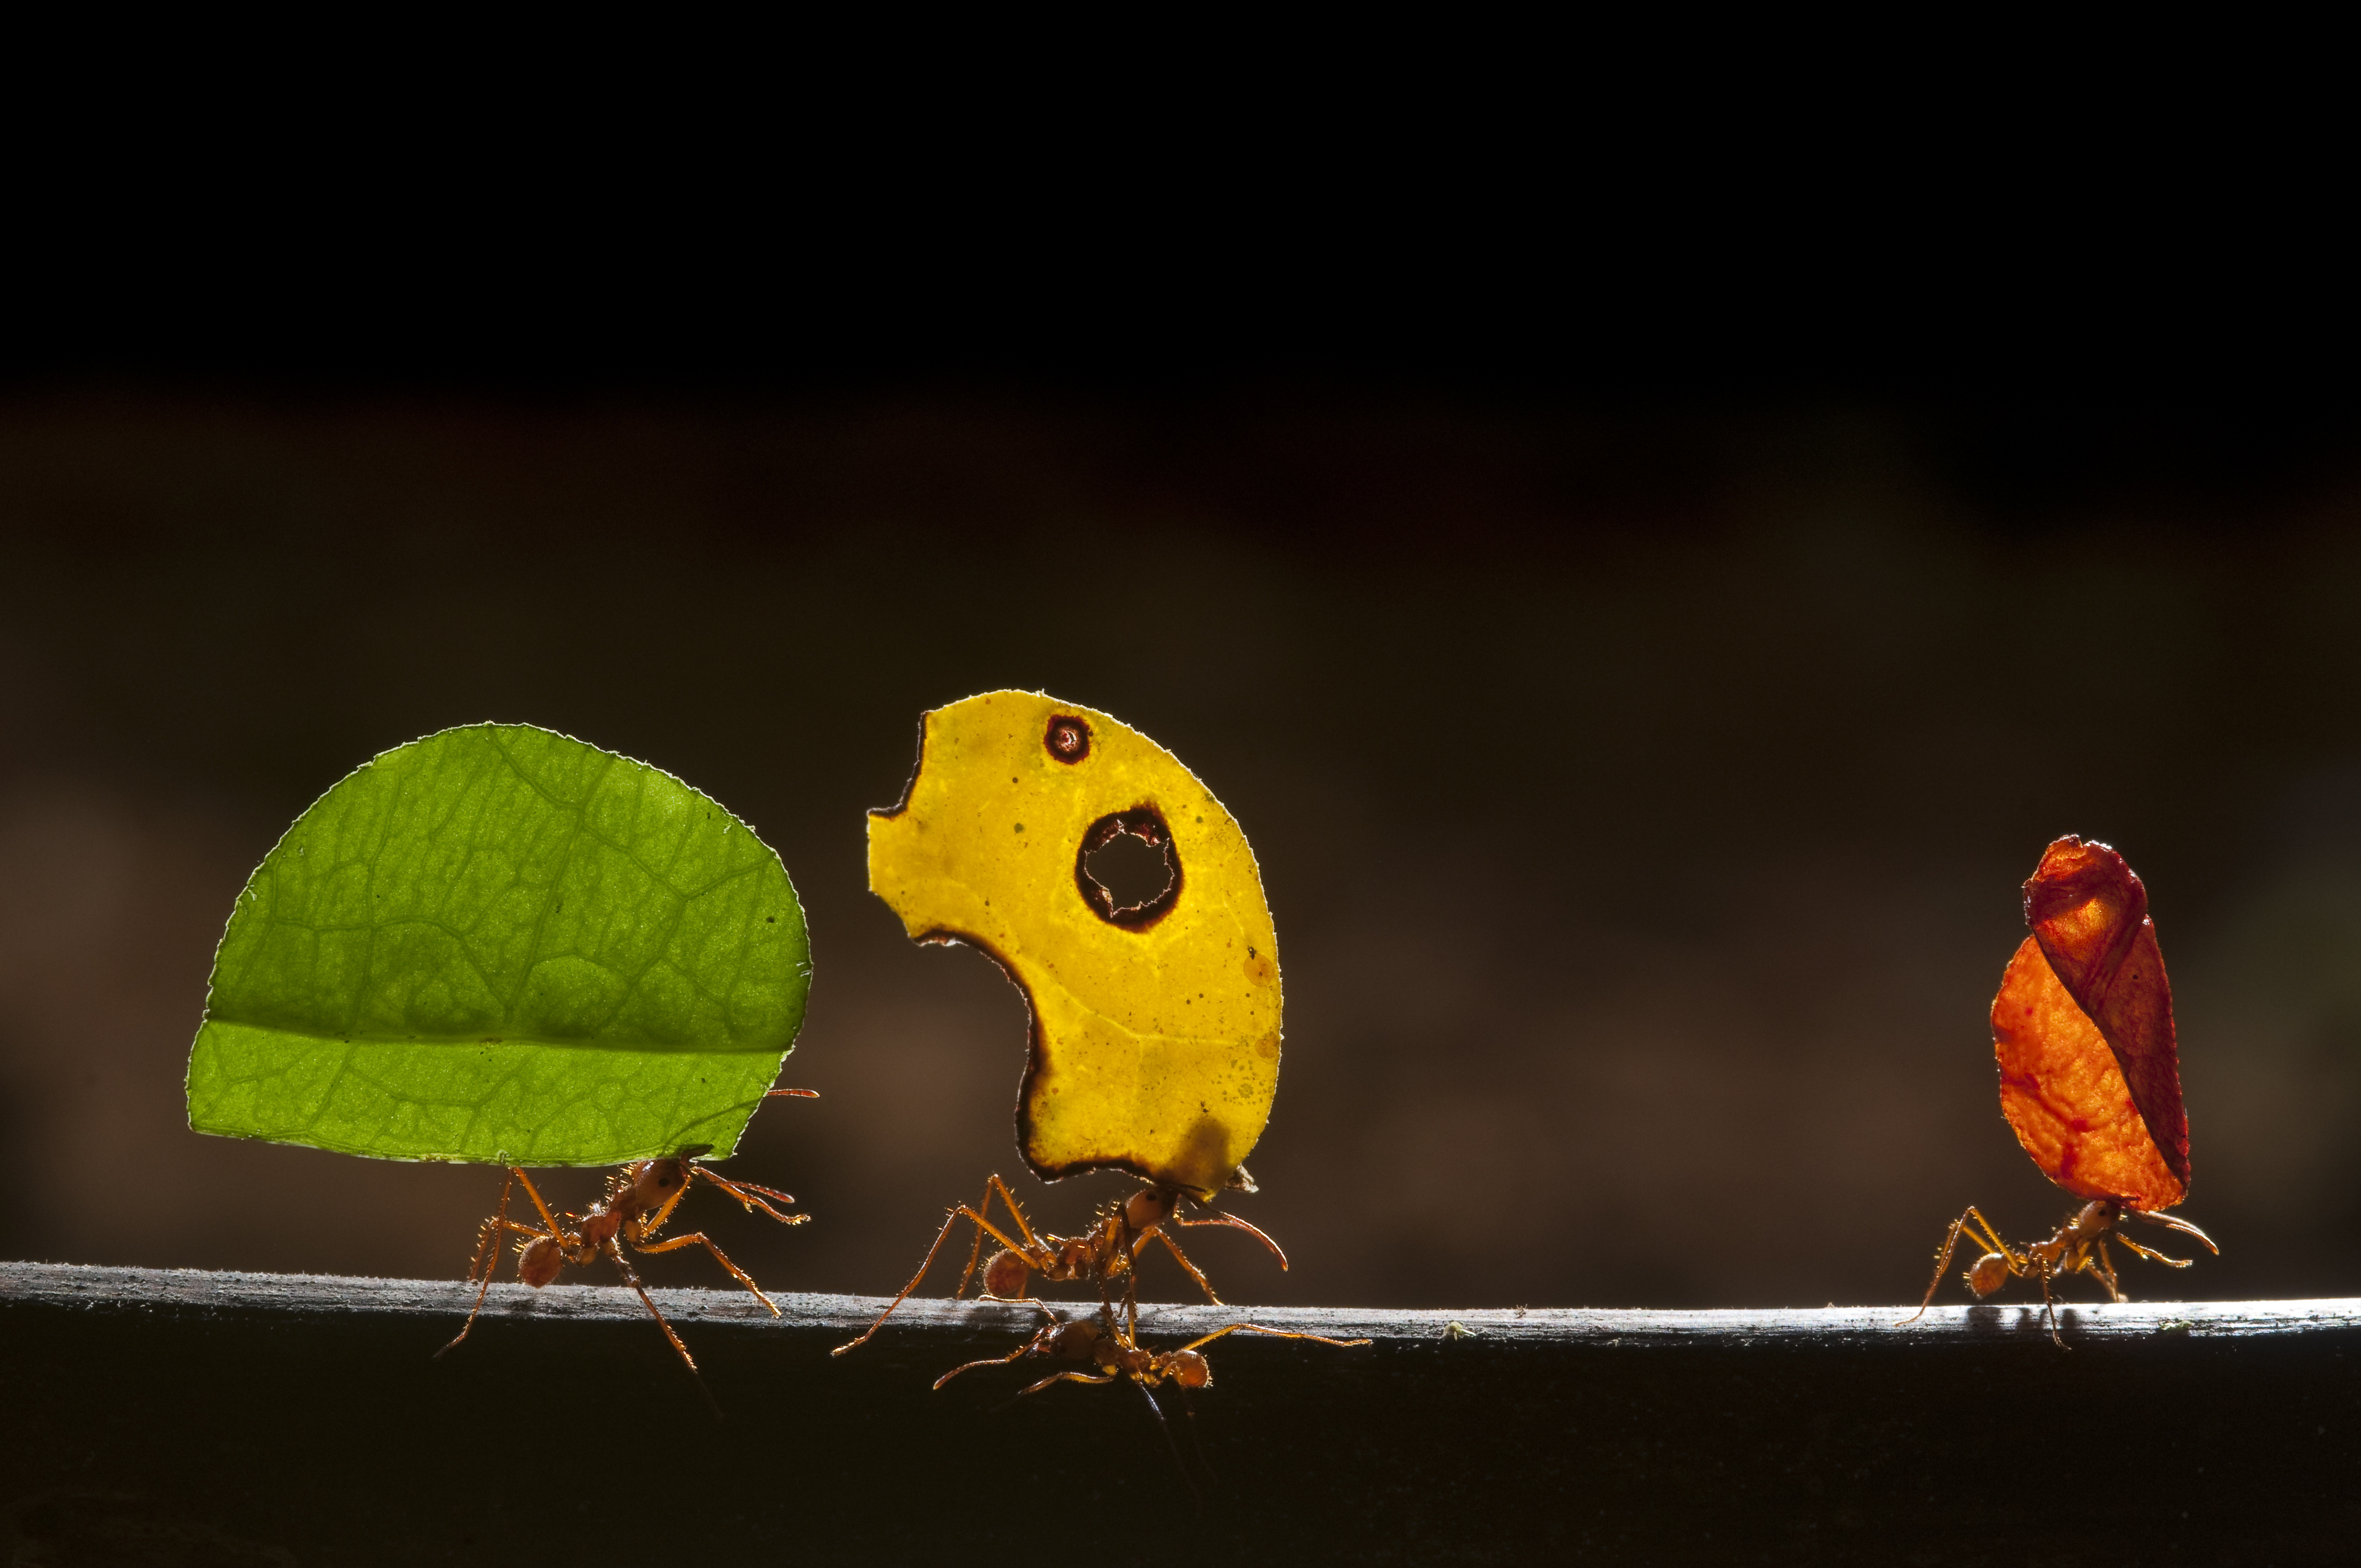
(1155, 1042)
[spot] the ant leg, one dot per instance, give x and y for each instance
(1066, 1377)
(1181, 1258)
(534, 1193)
(698, 1238)
(2106, 1272)
(1275, 1333)
(1238, 1224)
(975, 1253)
(488, 1258)
(1023, 1227)
(980, 1215)
(1989, 1233)
(791, 1094)
(2172, 1222)
(2151, 1253)
(983, 1207)
(1030, 1347)
(1019, 1353)
(1130, 1317)
(940, 1236)
(1942, 1262)
(1988, 1236)
(649, 1301)
(2048, 1309)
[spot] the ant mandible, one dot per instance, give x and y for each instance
(638, 1200)
(2080, 1247)
(1107, 1251)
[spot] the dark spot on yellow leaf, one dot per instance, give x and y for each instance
(1068, 738)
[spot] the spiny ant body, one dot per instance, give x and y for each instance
(1108, 1347)
(1108, 1252)
(1112, 1352)
(638, 1200)
(2079, 1246)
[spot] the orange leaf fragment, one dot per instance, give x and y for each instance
(2089, 1074)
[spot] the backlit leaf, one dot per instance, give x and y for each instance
(501, 943)
(2082, 1027)
(1156, 1028)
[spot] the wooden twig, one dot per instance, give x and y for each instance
(254, 1418)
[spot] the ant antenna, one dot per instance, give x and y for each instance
(1166, 1428)
(710, 1402)
(1188, 1406)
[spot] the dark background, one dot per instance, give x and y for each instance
(1642, 787)
(1649, 596)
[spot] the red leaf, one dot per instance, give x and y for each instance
(2090, 913)
(2082, 1027)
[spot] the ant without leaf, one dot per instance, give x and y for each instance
(638, 1200)
(1105, 1252)
(2078, 1247)
(1113, 1353)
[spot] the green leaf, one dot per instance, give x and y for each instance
(501, 944)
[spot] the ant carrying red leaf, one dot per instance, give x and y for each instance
(2090, 1077)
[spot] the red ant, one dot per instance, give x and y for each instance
(2080, 1247)
(638, 1200)
(1106, 1252)
(1113, 1353)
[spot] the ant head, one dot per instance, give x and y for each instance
(2096, 1215)
(1988, 1274)
(1189, 1369)
(1004, 1274)
(540, 1262)
(1150, 1207)
(652, 1182)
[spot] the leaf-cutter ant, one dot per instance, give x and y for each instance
(1108, 1251)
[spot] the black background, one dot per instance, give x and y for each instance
(1649, 598)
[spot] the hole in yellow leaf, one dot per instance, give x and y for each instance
(1127, 870)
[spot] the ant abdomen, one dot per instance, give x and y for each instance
(1988, 1274)
(541, 1261)
(1004, 1275)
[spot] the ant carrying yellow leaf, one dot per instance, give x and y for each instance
(1155, 1037)
(1103, 1254)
